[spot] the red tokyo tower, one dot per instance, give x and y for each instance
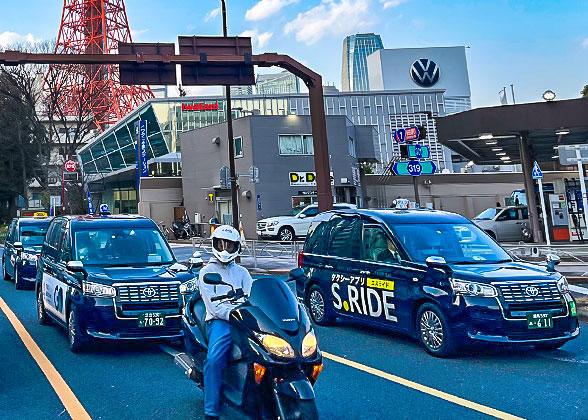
(96, 27)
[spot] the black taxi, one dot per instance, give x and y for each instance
(110, 277)
(22, 247)
(433, 275)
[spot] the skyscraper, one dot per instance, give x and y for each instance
(356, 49)
(277, 83)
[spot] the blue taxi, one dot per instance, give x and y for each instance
(433, 275)
(111, 277)
(22, 247)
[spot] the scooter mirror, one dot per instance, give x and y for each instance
(213, 278)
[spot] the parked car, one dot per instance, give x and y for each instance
(110, 277)
(22, 247)
(505, 224)
(432, 275)
(288, 228)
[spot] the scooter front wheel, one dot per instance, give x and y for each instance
(298, 410)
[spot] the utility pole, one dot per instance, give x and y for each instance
(232, 170)
(513, 97)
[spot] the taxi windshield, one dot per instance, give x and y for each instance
(457, 243)
(33, 235)
(121, 247)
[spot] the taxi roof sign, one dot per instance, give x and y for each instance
(40, 215)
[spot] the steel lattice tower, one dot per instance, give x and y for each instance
(96, 27)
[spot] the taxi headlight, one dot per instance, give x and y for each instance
(32, 258)
(562, 285)
(277, 346)
(275, 222)
(309, 345)
(470, 288)
(98, 290)
(188, 287)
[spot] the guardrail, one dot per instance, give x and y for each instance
(568, 252)
(257, 249)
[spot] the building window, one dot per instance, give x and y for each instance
(297, 144)
(352, 151)
(238, 147)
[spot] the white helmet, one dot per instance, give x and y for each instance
(226, 243)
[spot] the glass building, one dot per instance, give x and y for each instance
(278, 83)
(356, 49)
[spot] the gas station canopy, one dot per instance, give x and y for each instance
(491, 136)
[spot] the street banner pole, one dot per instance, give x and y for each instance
(547, 239)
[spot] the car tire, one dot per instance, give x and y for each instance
(5, 275)
(550, 346)
(17, 283)
(286, 234)
(77, 338)
(433, 331)
(319, 310)
(41, 314)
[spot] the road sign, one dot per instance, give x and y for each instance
(225, 177)
(70, 166)
(406, 134)
(253, 174)
(537, 173)
(414, 168)
(568, 155)
(419, 152)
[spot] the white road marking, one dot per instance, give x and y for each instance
(578, 289)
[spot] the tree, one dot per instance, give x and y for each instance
(584, 92)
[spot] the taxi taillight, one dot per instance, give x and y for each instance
(300, 258)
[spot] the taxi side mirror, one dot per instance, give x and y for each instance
(436, 262)
(196, 261)
(302, 215)
(75, 267)
(18, 246)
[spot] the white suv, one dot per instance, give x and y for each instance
(288, 228)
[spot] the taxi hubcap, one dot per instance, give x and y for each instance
(431, 329)
(317, 305)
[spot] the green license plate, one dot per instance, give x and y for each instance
(152, 319)
(539, 320)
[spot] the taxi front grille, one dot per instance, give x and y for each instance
(529, 292)
(148, 293)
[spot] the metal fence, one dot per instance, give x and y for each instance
(256, 249)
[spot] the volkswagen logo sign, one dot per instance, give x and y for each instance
(425, 72)
(149, 292)
(532, 291)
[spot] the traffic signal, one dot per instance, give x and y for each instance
(404, 151)
(422, 132)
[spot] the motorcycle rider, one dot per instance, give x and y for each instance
(226, 246)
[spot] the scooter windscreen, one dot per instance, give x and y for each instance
(275, 299)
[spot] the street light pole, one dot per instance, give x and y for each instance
(232, 170)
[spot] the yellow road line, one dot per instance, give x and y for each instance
(423, 388)
(63, 391)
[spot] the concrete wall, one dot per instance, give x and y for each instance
(159, 196)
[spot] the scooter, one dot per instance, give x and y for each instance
(275, 360)
(182, 230)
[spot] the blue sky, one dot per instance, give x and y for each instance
(534, 44)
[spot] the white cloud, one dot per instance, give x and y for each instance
(266, 8)
(584, 43)
(391, 3)
(212, 14)
(136, 33)
(8, 39)
(331, 17)
(259, 40)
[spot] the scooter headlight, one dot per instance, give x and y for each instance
(277, 346)
(309, 344)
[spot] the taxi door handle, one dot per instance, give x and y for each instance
(328, 266)
(365, 272)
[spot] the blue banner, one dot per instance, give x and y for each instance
(141, 137)
(90, 206)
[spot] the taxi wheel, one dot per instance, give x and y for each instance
(76, 335)
(433, 331)
(41, 314)
(316, 302)
(5, 275)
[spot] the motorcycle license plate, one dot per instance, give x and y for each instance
(152, 319)
(539, 320)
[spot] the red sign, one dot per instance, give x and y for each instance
(70, 166)
(200, 107)
(412, 133)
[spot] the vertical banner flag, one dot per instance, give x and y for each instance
(141, 137)
(90, 206)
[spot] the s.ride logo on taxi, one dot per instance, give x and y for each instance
(365, 296)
